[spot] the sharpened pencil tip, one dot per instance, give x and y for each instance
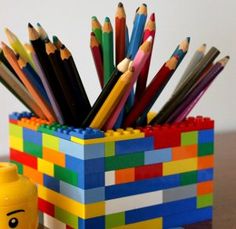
(30, 25)
(144, 4)
(107, 19)
(92, 34)
(152, 17)
(38, 24)
(55, 38)
(188, 39)
(120, 4)
(46, 40)
(94, 18)
(17, 56)
(227, 57)
(63, 47)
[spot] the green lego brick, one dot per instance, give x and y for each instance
(66, 217)
(33, 149)
(16, 131)
(51, 142)
(124, 161)
(205, 149)
(188, 178)
(189, 138)
(205, 201)
(109, 149)
(66, 175)
(115, 220)
(19, 166)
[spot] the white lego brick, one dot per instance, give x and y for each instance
(109, 178)
(52, 223)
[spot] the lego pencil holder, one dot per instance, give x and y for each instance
(153, 177)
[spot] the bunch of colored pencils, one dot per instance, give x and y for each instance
(43, 76)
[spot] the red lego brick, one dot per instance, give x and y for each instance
(148, 171)
(23, 158)
(46, 207)
(13, 121)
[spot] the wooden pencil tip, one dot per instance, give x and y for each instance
(188, 39)
(38, 24)
(227, 57)
(107, 19)
(3, 44)
(30, 25)
(17, 56)
(55, 39)
(92, 34)
(63, 47)
(94, 18)
(152, 17)
(46, 40)
(144, 4)
(120, 4)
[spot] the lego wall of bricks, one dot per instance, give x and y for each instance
(154, 177)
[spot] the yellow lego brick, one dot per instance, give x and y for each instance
(16, 143)
(51, 142)
(111, 136)
(181, 166)
(45, 167)
(15, 130)
(149, 224)
(84, 211)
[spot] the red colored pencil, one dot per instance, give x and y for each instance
(97, 57)
(150, 30)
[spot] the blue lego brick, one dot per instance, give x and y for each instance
(205, 136)
(87, 133)
(157, 156)
(160, 210)
(205, 175)
(88, 181)
(51, 183)
(83, 196)
(85, 166)
(188, 217)
(32, 136)
(17, 116)
(134, 145)
(83, 152)
(97, 222)
(148, 185)
(64, 132)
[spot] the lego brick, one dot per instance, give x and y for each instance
(47, 129)
(189, 138)
(205, 175)
(205, 136)
(124, 176)
(83, 196)
(205, 149)
(205, 200)
(148, 171)
(181, 166)
(66, 217)
(184, 152)
(66, 175)
(16, 143)
(51, 183)
(45, 167)
(160, 210)
(33, 149)
(18, 116)
(115, 220)
(15, 130)
(32, 123)
(96, 222)
(157, 156)
(110, 178)
(33, 174)
(109, 149)
(133, 202)
(138, 187)
(87, 133)
(124, 161)
(46, 207)
(204, 188)
(205, 162)
(53, 223)
(50, 142)
(179, 193)
(76, 208)
(23, 158)
(188, 178)
(20, 167)
(32, 136)
(197, 215)
(134, 145)
(89, 181)
(150, 224)
(53, 156)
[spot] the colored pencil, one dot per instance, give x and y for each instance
(17, 46)
(151, 93)
(126, 40)
(48, 77)
(196, 58)
(12, 83)
(56, 42)
(97, 57)
(42, 33)
(75, 82)
(12, 59)
(97, 29)
(193, 77)
(138, 63)
(200, 86)
(149, 30)
(112, 100)
(118, 71)
(137, 32)
(120, 33)
(107, 50)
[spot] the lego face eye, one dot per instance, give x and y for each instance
(13, 222)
